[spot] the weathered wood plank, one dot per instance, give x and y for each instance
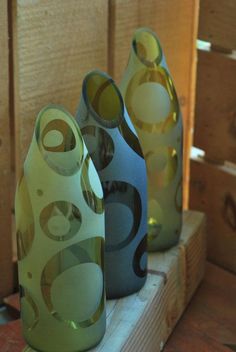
(209, 323)
(12, 304)
(217, 22)
(6, 267)
(180, 281)
(10, 337)
(143, 321)
(215, 119)
(175, 23)
(213, 190)
(55, 44)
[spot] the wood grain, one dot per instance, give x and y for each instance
(213, 190)
(215, 119)
(209, 323)
(12, 304)
(175, 23)
(55, 44)
(6, 267)
(217, 22)
(182, 279)
(10, 337)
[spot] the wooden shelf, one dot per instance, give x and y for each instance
(143, 321)
(209, 323)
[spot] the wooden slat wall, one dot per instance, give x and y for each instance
(213, 185)
(55, 44)
(175, 23)
(217, 22)
(215, 119)
(6, 267)
(213, 191)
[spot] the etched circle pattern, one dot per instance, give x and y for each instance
(162, 166)
(60, 220)
(140, 258)
(155, 219)
(127, 195)
(119, 224)
(179, 197)
(93, 201)
(89, 251)
(29, 309)
(25, 226)
(101, 146)
(160, 76)
(61, 148)
(130, 138)
(81, 287)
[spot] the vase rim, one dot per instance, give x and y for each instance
(146, 62)
(59, 108)
(105, 123)
(45, 124)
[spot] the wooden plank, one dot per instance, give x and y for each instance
(55, 44)
(193, 341)
(215, 119)
(12, 304)
(209, 323)
(6, 268)
(143, 321)
(12, 301)
(217, 22)
(182, 277)
(10, 337)
(175, 23)
(213, 190)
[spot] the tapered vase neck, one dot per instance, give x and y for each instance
(101, 100)
(146, 48)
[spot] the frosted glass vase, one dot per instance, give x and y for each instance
(115, 150)
(60, 236)
(153, 107)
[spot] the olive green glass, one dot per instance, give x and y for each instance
(60, 237)
(153, 107)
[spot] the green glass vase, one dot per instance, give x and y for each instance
(60, 238)
(115, 150)
(153, 107)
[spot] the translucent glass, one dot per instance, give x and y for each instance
(153, 107)
(115, 150)
(60, 237)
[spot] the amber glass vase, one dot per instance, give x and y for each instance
(115, 150)
(60, 237)
(153, 107)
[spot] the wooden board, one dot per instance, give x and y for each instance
(55, 44)
(217, 22)
(10, 337)
(181, 269)
(215, 119)
(6, 268)
(175, 23)
(213, 190)
(209, 324)
(12, 304)
(143, 321)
